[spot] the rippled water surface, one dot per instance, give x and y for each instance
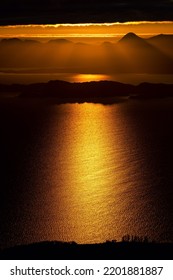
(86, 172)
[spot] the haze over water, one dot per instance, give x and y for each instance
(129, 78)
(86, 172)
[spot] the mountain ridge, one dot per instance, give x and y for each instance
(131, 54)
(127, 36)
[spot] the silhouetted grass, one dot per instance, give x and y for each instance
(131, 247)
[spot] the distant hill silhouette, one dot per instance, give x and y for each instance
(132, 38)
(141, 56)
(161, 38)
(59, 41)
(8, 41)
(163, 42)
(131, 54)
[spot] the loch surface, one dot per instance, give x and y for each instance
(85, 172)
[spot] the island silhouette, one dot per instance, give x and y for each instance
(96, 92)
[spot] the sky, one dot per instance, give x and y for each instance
(102, 30)
(14, 12)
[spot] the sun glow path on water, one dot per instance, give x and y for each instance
(84, 166)
(87, 180)
(80, 78)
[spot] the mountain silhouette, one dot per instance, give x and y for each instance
(133, 40)
(59, 41)
(13, 41)
(161, 39)
(131, 54)
(163, 42)
(141, 56)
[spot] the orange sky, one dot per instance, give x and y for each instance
(88, 30)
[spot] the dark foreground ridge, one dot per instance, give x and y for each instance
(103, 251)
(62, 92)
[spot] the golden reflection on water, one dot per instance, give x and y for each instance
(96, 180)
(90, 165)
(93, 173)
(85, 178)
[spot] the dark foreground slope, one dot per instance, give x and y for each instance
(103, 251)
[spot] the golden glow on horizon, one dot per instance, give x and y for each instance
(90, 77)
(88, 29)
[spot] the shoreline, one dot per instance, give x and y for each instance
(50, 250)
